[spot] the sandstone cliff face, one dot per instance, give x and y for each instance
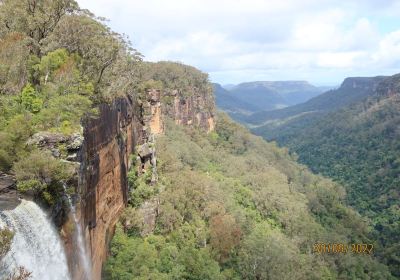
(152, 112)
(123, 128)
(109, 140)
(389, 87)
(366, 83)
(196, 109)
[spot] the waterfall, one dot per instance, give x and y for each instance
(83, 256)
(36, 245)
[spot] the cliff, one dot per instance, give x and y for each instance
(122, 129)
(389, 87)
(365, 83)
(194, 109)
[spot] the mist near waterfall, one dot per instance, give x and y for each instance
(35, 246)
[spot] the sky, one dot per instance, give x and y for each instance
(320, 41)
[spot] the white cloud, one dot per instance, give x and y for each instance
(235, 40)
(339, 59)
(388, 54)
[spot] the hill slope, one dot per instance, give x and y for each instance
(273, 95)
(352, 90)
(358, 146)
(230, 206)
(235, 107)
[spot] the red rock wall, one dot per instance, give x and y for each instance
(109, 140)
(195, 109)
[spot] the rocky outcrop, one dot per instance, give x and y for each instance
(194, 109)
(365, 83)
(60, 145)
(152, 112)
(389, 87)
(8, 192)
(149, 212)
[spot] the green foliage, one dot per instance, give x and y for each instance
(35, 19)
(63, 113)
(13, 138)
(158, 258)
(140, 188)
(108, 61)
(358, 147)
(56, 104)
(41, 89)
(51, 62)
(176, 76)
(30, 100)
(268, 254)
(31, 184)
(57, 63)
(132, 177)
(14, 57)
(54, 41)
(42, 166)
(232, 206)
(41, 174)
(150, 84)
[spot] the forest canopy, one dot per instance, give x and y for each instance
(232, 206)
(358, 147)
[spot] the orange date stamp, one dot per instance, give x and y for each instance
(342, 248)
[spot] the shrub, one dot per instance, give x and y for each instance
(30, 99)
(41, 173)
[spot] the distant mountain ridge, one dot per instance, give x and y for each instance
(352, 90)
(269, 95)
(357, 145)
(247, 98)
(235, 107)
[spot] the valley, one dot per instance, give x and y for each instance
(350, 135)
(246, 99)
(118, 166)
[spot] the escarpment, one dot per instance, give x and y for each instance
(109, 140)
(121, 133)
(195, 109)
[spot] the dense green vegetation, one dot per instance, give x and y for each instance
(231, 206)
(175, 76)
(358, 146)
(57, 63)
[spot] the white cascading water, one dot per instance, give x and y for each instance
(84, 257)
(36, 244)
